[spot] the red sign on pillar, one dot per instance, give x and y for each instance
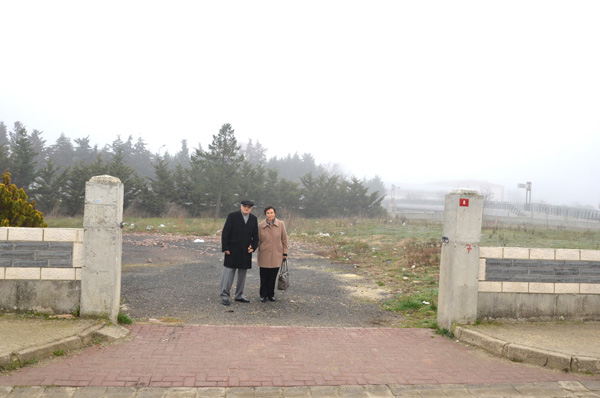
(464, 202)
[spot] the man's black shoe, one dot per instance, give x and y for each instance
(225, 302)
(271, 298)
(263, 299)
(243, 300)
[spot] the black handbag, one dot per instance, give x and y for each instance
(283, 280)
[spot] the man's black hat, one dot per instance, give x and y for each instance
(247, 203)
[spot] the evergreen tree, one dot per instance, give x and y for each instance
(4, 145)
(355, 202)
(375, 209)
(75, 184)
(220, 166)
(375, 184)
(61, 154)
(319, 195)
(255, 153)
(285, 195)
(83, 152)
(132, 183)
(48, 190)
(141, 159)
(3, 134)
(39, 147)
(161, 190)
(294, 167)
(252, 184)
(199, 196)
(22, 157)
(183, 156)
(182, 185)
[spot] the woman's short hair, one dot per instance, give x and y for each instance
(269, 208)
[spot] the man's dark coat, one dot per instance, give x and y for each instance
(236, 237)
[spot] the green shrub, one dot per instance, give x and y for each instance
(15, 209)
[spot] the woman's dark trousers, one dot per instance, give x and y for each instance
(268, 277)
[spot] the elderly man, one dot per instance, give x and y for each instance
(238, 241)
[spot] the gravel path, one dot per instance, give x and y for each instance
(176, 279)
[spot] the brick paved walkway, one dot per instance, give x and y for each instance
(230, 356)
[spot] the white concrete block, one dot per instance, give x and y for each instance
(26, 234)
(2, 273)
(490, 287)
(536, 287)
(78, 254)
(490, 252)
(590, 255)
(515, 287)
(58, 274)
(589, 288)
(566, 288)
(23, 273)
(63, 234)
(3, 233)
(516, 252)
(541, 254)
(567, 254)
(482, 264)
(77, 274)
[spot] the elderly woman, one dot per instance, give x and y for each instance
(272, 250)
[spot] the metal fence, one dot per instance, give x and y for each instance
(510, 209)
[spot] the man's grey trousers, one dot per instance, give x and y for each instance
(227, 281)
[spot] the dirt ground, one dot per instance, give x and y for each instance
(168, 278)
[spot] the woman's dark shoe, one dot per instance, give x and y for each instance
(271, 298)
(263, 299)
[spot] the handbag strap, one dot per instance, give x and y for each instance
(284, 265)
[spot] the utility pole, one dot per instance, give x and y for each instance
(527, 187)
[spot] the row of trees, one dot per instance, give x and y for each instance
(199, 182)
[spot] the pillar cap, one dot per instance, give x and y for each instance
(105, 179)
(465, 191)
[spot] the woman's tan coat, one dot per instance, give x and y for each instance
(272, 244)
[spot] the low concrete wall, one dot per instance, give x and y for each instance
(40, 269)
(539, 284)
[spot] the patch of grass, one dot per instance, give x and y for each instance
(13, 365)
(445, 332)
(64, 222)
(556, 238)
(59, 353)
(124, 319)
(403, 304)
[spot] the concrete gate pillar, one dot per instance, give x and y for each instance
(459, 267)
(102, 247)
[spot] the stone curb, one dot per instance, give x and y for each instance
(531, 355)
(547, 389)
(94, 334)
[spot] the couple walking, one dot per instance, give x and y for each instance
(242, 235)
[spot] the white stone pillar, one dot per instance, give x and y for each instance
(459, 267)
(102, 248)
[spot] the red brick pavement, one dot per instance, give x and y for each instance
(231, 356)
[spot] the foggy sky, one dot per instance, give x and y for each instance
(415, 92)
